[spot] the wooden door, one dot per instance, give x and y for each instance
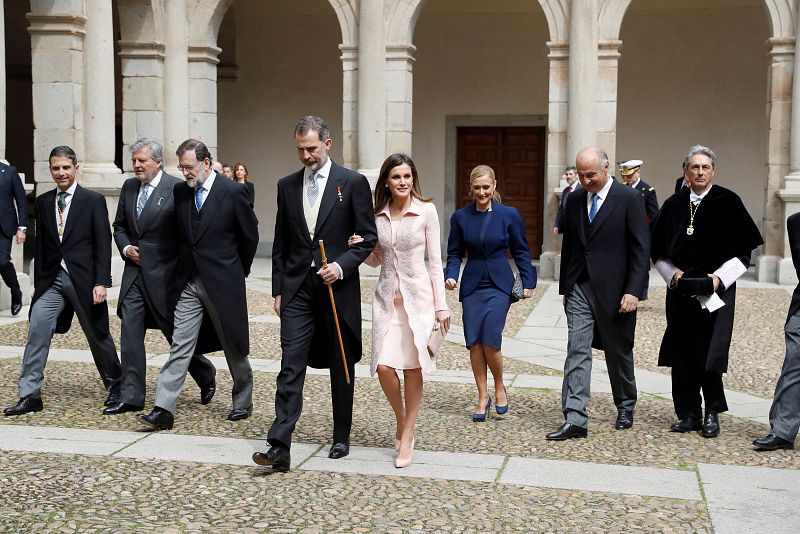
(517, 155)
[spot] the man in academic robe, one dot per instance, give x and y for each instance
(72, 271)
(144, 231)
(702, 232)
(218, 237)
(784, 414)
(604, 265)
(321, 202)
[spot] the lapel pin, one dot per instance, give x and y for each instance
(339, 192)
(160, 200)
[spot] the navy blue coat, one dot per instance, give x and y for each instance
(486, 248)
(11, 192)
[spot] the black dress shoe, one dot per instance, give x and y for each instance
(207, 392)
(276, 457)
(23, 406)
(690, 424)
(158, 419)
(624, 419)
(772, 443)
(711, 425)
(339, 450)
(567, 431)
(121, 407)
(16, 302)
(237, 414)
(113, 397)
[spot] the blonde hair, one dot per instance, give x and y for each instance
(485, 170)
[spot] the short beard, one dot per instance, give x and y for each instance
(198, 180)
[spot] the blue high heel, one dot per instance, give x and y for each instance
(502, 410)
(481, 417)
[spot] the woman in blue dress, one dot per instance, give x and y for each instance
(484, 232)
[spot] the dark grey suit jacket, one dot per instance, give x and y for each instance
(11, 192)
(155, 233)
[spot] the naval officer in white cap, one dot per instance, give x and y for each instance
(631, 176)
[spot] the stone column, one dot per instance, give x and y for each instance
(98, 63)
(142, 65)
(203, 62)
(57, 76)
(176, 80)
(784, 128)
(607, 75)
(557, 156)
(349, 59)
(399, 97)
(3, 102)
(582, 76)
(371, 88)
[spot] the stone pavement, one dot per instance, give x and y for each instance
(186, 482)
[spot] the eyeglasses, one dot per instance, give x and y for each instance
(188, 168)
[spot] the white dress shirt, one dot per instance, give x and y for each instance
(601, 196)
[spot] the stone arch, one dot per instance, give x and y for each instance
(557, 14)
(401, 21)
(141, 20)
(206, 14)
(781, 17)
(611, 13)
(347, 13)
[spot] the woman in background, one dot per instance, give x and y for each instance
(240, 176)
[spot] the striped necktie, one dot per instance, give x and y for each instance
(142, 199)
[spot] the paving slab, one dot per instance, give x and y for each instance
(64, 440)
(427, 464)
(751, 499)
(206, 449)
(602, 477)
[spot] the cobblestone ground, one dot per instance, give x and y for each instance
(73, 397)
(64, 493)
(757, 348)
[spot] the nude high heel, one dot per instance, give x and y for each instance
(404, 462)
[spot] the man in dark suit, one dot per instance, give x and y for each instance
(72, 270)
(323, 201)
(144, 230)
(13, 222)
(784, 415)
(218, 239)
(570, 174)
(604, 265)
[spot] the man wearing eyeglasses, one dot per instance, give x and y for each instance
(144, 231)
(218, 237)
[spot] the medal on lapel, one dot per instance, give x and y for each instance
(339, 192)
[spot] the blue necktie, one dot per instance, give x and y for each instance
(142, 199)
(198, 198)
(593, 209)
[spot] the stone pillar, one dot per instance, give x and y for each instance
(203, 62)
(57, 75)
(774, 265)
(349, 59)
(3, 102)
(98, 66)
(607, 75)
(176, 81)
(557, 156)
(371, 89)
(142, 65)
(582, 76)
(399, 97)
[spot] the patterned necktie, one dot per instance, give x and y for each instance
(198, 198)
(313, 190)
(142, 199)
(593, 209)
(62, 200)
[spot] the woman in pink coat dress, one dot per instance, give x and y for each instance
(409, 298)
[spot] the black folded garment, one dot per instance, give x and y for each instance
(695, 283)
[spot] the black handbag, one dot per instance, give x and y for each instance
(695, 283)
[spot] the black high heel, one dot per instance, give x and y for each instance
(481, 417)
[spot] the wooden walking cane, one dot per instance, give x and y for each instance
(335, 316)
